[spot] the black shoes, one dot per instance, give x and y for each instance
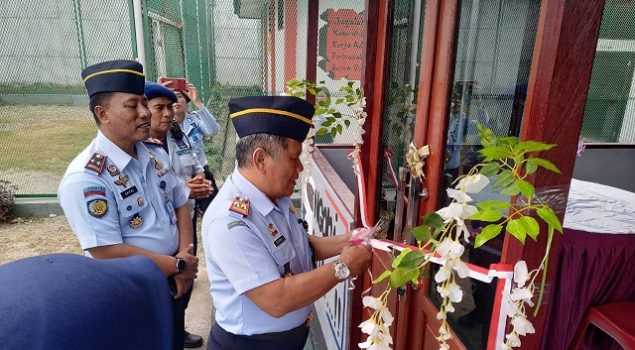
(192, 341)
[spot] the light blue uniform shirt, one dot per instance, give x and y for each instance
(184, 161)
(243, 253)
(196, 126)
(140, 212)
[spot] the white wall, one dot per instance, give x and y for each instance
(237, 47)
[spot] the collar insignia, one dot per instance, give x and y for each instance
(240, 205)
(273, 230)
(96, 163)
(112, 170)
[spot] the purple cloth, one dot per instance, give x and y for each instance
(593, 269)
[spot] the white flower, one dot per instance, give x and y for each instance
(457, 211)
(386, 316)
(513, 339)
(460, 196)
(451, 290)
(523, 294)
(450, 249)
(442, 275)
(462, 229)
(522, 326)
(473, 183)
(368, 327)
(520, 273)
(372, 302)
(461, 268)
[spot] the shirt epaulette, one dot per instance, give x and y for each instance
(96, 163)
(240, 205)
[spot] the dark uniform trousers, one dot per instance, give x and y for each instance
(293, 339)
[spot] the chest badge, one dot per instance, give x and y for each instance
(112, 170)
(122, 181)
(240, 205)
(136, 221)
(273, 230)
(140, 201)
(157, 164)
(97, 207)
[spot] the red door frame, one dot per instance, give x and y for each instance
(561, 69)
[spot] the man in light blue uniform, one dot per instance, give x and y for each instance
(259, 258)
(197, 125)
(119, 195)
(165, 131)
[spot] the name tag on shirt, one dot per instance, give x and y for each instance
(169, 208)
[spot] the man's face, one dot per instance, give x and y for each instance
(283, 171)
(162, 115)
(179, 105)
(128, 117)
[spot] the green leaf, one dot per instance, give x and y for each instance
(550, 218)
(504, 179)
(339, 100)
(510, 190)
(488, 215)
(535, 146)
(526, 188)
(321, 132)
(489, 232)
(546, 164)
(331, 119)
(531, 166)
(486, 135)
(496, 153)
(517, 229)
(327, 123)
(397, 260)
(531, 226)
(493, 204)
(421, 233)
(489, 169)
(347, 122)
(412, 259)
(382, 277)
(433, 220)
(511, 141)
(400, 276)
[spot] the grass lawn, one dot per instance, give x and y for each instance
(41, 140)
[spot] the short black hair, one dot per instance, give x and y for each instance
(272, 144)
(99, 99)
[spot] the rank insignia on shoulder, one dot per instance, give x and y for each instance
(112, 170)
(236, 223)
(97, 207)
(122, 181)
(96, 163)
(136, 221)
(240, 205)
(273, 230)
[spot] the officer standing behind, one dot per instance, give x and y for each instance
(165, 131)
(119, 195)
(259, 258)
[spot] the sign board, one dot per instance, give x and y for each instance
(329, 217)
(342, 44)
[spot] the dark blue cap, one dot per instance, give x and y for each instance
(154, 90)
(286, 116)
(114, 76)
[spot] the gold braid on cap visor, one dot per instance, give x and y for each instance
(272, 111)
(114, 71)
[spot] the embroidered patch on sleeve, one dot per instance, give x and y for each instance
(236, 223)
(94, 191)
(97, 207)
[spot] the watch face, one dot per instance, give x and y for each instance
(341, 271)
(180, 265)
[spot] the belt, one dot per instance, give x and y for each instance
(291, 333)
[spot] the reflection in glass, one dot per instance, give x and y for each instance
(495, 42)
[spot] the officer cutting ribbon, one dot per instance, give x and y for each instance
(259, 258)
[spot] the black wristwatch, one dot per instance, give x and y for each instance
(180, 265)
